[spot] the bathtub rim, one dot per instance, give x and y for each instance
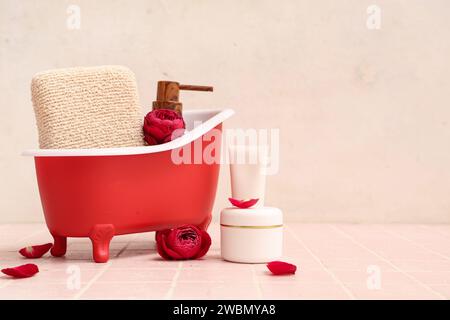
(220, 116)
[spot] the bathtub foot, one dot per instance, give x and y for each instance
(59, 246)
(100, 237)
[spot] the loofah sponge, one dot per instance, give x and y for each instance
(92, 107)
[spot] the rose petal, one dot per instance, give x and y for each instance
(206, 243)
(243, 204)
(168, 253)
(175, 135)
(34, 252)
(179, 123)
(23, 271)
(158, 234)
(280, 268)
(162, 252)
(158, 133)
(167, 123)
(150, 140)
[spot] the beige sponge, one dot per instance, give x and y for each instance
(92, 107)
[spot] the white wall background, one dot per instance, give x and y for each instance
(364, 114)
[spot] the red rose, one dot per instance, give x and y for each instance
(163, 125)
(186, 242)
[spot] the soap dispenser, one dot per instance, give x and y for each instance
(168, 92)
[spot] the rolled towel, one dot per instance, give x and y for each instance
(87, 107)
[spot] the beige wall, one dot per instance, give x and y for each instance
(364, 114)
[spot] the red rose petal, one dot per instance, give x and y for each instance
(206, 243)
(158, 239)
(243, 204)
(150, 140)
(158, 234)
(162, 252)
(168, 252)
(280, 268)
(34, 252)
(174, 135)
(23, 271)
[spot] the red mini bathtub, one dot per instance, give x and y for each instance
(99, 193)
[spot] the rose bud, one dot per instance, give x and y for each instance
(186, 242)
(163, 125)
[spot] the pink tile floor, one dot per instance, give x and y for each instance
(335, 261)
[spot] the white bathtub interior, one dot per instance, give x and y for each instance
(198, 122)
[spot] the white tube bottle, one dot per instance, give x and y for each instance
(248, 179)
(255, 234)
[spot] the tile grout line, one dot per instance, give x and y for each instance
(174, 282)
(98, 274)
(315, 257)
(416, 244)
(91, 282)
(160, 281)
(348, 236)
(439, 232)
(125, 247)
(256, 282)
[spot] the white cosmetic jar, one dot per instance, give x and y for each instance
(253, 235)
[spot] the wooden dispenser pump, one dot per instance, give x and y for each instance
(168, 94)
